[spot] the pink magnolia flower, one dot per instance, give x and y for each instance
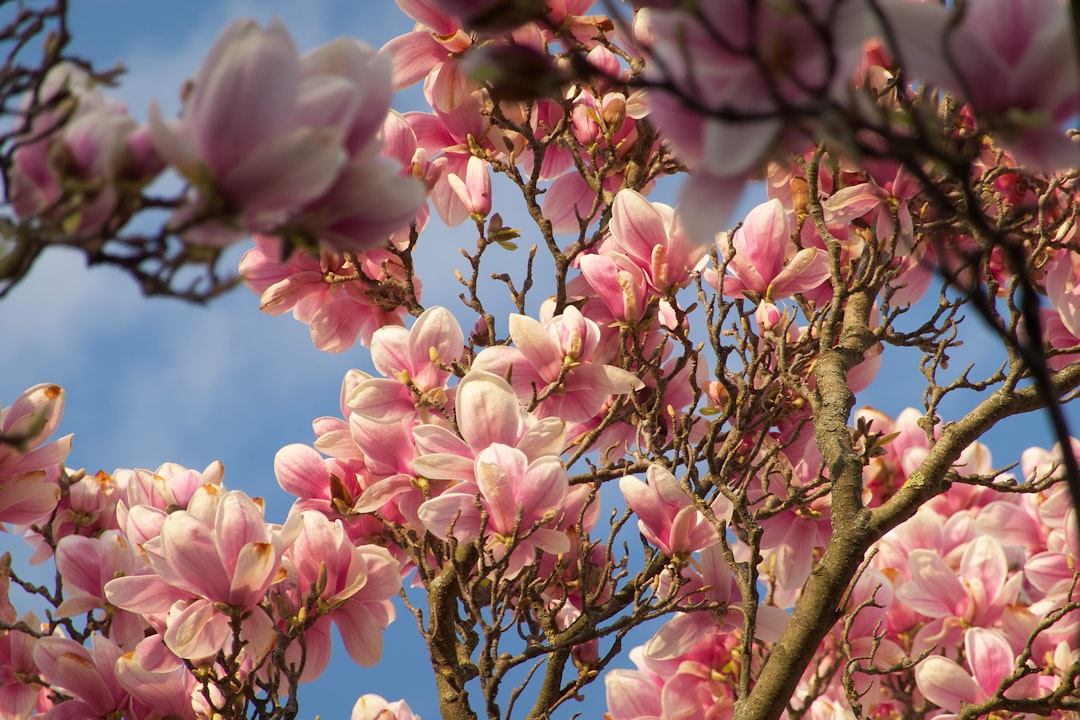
(30, 467)
(648, 234)
(329, 486)
(460, 183)
(551, 362)
(87, 508)
(356, 596)
(1053, 570)
(488, 413)
(877, 201)
(990, 659)
(375, 707)
(343, 299)
(83, 165)
(88, 675)
(87, 564)
(668, 516)
(167, 488)
(646, 254)
(1005, 58)
(268, 139)
(620, 286)
(474, 190)
(20, 694)
(763, 261)
(709, 584)
(697, 683)
(437, 36)
(519, 497)
(219, 551)
(158, 681)
(976, 592)
(415, 365)
(607, 133)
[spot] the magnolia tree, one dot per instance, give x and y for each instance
(788, 554)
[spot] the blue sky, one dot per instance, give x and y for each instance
(150, 381)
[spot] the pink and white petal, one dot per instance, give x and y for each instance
(239, 521)
(615, 380)
(542, 488)
(256, 565)
(500, 470)
(553, 542)
(455, 511)
(173, 148)
(678, 635)
(301, 471)
(736, 148)
(382, 492)
(383, 574)
(430, 14)
(444, 466)
(336, 326)
(390, 352)
(989, 657)
(361, 632)
(487, 410)
(383, 400)
(945, 683)
(435, 439)
(795, 554)
(244, 93)
(190, 558)
(318, 649)
(68, 664)
(143, 594)
(532, 340)
(653, 520)
(807, 269)
(853, 202)
(435, 337)
(984, 559)
(78, 560)
(27, 498)
(198, 631)
(936, 591)
(1002, 521)
(284, 174)
(637, 225)
(566, 199)
(763, 240)
(612, 286)
(545, 437)
(631, 695)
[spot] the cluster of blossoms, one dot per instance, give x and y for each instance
(975, 597)
(720, 366)
(268, 141)
(184, 587)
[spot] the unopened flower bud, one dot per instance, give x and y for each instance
(613, 112)
(768, 316)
